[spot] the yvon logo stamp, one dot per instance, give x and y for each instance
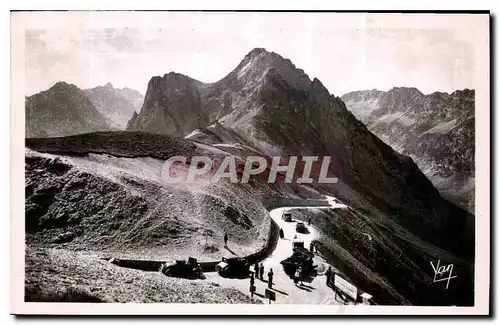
(443, 273)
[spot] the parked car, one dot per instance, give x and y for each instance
(301, 257)
(301, 227)
(235, 267)
(182, 269)
(297, 243)
(287, 216)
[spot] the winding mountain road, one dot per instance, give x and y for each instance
(313, 291)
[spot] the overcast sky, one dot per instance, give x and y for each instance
(208, 46)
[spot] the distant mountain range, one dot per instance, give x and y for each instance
(65, 109)
(436, 130)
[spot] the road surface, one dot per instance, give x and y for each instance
(313, 291)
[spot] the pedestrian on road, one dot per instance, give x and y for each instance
(301, 274)
(270, 275)
(282, 234)
(256, 269)
(328, 274)
(309, 221)
(225, 240)
(311, 247)
(296, 276)
(252, 285)
(261, 271)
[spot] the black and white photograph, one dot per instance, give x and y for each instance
(250, 162)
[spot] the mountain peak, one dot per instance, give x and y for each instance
(62, 85)
(108, 85)
(257, 51)
(259, 66)
(406, 90)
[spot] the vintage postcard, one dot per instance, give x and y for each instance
(190, 162)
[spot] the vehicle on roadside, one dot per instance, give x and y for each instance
(301, 257)
(301, 228)
(286, 216)
(297, 243)
(189, 269)
(234, 267)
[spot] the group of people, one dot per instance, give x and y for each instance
(259, 274)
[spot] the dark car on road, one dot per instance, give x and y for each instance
(301, 227)
(235, 267)
(182, 269)
(287, 216)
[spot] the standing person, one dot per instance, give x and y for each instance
(328, 274)
(225, 239)
(301, 274)
(256, 269)
(311, 247)
(282, 234)
(261, 270)
(270, 275)
(296, 276)
(252, 285)
(309, 221)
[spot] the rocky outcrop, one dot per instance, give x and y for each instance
(172, 106)
(436, 130)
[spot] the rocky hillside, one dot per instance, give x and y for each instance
(272, 106)
(63, 109)
(117, 105)
(436, 130)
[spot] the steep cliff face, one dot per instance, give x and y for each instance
(172, 106)
(436, 130)
(117, 105)
(63, 109)
(275, 108)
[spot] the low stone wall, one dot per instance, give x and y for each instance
(270, 245)
(143, 265)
